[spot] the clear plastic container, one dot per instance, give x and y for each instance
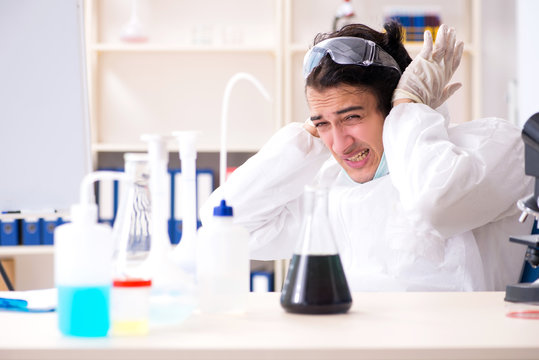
(130, 304)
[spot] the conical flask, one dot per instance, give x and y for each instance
(315, 282)
(132, 226)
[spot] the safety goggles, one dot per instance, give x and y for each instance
(348, 50)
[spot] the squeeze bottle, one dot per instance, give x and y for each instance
(83, 267)
(223, 264)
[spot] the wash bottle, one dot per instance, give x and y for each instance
(83, 266)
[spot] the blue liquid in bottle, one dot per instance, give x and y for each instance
(84, 310)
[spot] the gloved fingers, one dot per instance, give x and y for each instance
(459, 48)
(450, 47)
(449, 90)
(426, 50)
(440, 45)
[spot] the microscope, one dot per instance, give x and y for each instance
(528, 292)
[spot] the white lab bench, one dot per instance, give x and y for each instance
(379, 326)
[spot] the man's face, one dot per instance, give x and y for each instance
(350, 124)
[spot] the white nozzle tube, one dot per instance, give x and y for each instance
(158, 159)
(187, 143)
(86, 210)
(224, 116)
(188, 155)
(86, 186)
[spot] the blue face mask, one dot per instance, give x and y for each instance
(382, 168)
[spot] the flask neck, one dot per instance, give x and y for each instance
(316, 237)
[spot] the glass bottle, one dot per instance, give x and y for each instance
(132, 227)
(315, 282)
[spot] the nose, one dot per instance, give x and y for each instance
(342, 141)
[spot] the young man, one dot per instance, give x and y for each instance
(414, 204)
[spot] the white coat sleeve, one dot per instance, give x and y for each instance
(454, 179)
(265, 191)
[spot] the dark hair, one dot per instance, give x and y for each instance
(381, 80)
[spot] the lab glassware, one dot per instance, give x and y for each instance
(315, 282)
(132, 227)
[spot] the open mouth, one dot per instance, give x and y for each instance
(362, 155)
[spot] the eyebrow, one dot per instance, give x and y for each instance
(351, 108)
(339, 112)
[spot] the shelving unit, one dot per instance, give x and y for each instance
(176, 80)
(10, 251)
(163, 84)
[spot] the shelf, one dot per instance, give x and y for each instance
(7, 251)
(100, 147)
(171, 48)
(413, 48)
(34, 215)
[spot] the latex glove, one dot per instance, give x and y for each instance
(426, 79)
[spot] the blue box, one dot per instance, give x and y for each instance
(31, 233)
(9, 233)
(47, 227)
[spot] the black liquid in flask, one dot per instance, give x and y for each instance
(315, 282)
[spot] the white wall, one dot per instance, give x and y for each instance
(528, 58)
(498, 57)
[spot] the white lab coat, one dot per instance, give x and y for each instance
(440, 220)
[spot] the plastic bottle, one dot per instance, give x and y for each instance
(223, 264)
(315, 282)
(83, 267)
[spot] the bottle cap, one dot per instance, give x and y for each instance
(132, 283)
(223, 209)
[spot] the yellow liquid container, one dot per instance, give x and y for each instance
(130, 304)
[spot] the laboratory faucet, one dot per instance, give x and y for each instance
(224, 115)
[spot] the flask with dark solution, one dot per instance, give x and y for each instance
(315, 282)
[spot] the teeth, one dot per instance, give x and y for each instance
(359, 156)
